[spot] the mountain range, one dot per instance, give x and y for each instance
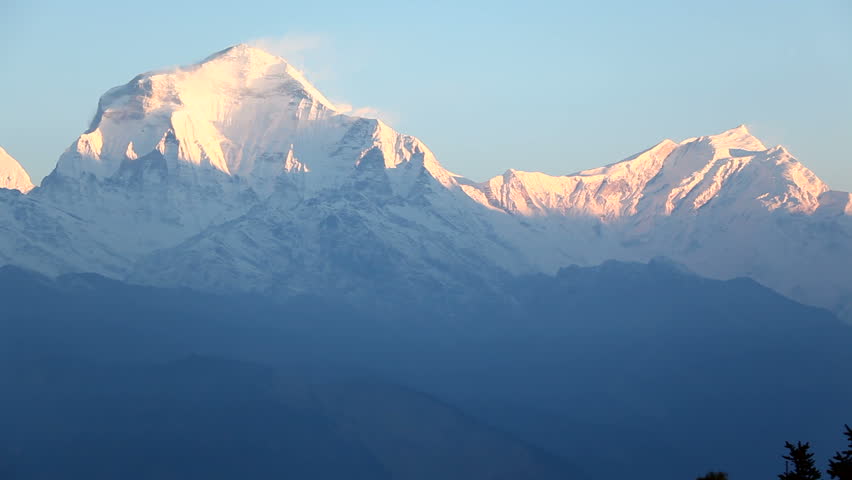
(226, 265)
(236, 174)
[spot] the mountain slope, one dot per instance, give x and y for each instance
(112, 371)
(730, 359)
(44, 237)
(12, 174)
(220, 419)
(377, 237)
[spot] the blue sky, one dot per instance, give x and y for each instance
(549, 86)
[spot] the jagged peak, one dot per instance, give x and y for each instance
(737, 138)
(244, 51)
(779, 149)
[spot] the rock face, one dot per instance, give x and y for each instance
(237, 174)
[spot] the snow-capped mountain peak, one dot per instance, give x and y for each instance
(191, 147)
(254, 63)
(224, 112)
(12, 174)
(666, 179)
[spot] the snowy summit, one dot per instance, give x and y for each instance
(12, 174)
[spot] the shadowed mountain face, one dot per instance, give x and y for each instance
(688, 371)
(205, 417)
(87, 393)
(690, 374)
(197, 418)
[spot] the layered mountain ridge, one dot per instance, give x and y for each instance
(237, 174)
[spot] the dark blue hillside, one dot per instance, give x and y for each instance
(639, 369)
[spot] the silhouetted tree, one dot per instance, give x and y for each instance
(714, 476)
(802, 460)
(840, 466)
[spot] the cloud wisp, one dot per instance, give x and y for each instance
(304, 50)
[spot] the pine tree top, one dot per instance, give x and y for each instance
(802, 460)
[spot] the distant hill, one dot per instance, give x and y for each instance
(612, 368)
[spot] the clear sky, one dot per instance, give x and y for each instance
(549, 86)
